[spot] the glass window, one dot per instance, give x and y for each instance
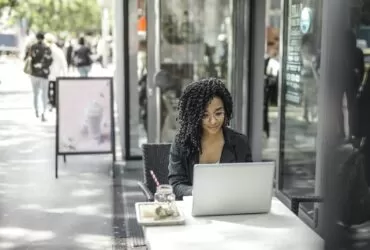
(302, 38)
(138, 98)
(274, 21)
(270, 108)
(195, 42)
(275, 4)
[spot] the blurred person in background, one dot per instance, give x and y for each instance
(82, 58)
(58, 68)
(69, 53)
(272, 67)
(100, 50)
(141, 59)
(310, 87)
(355, 74)
(41, 59)
(59, 42)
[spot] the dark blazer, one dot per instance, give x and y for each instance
(181, 162)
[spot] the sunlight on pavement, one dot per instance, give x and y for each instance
(94, 242)
(31, 207)
(26, 117)
(7, 245)
(25, 234)
(85, 210)
(16, 141)
(87, 192)
(28, 161)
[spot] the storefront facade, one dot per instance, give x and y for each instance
(232, 48)
(227, 39)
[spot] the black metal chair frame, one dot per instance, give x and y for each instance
(356, 236)
(155, 158)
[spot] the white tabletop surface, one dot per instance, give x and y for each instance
(279, 229)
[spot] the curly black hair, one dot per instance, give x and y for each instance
(191, 107)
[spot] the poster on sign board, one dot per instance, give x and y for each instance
(84, 115)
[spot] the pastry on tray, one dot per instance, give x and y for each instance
(159, 211)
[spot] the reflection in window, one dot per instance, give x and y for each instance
(141, 136)
(299, 115)
(275, 21)
(275, 4)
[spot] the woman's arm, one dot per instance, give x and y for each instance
(242, 149)
(177, 173)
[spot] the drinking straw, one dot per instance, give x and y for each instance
(154, 178)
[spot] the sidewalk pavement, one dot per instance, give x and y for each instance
(82, 210)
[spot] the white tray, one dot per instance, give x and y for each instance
(145, 215)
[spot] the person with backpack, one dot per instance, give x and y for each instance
(41, 59)
(82, 58)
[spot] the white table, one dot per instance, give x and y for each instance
(279, 229)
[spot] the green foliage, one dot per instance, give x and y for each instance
(7, 3)
(72, 16)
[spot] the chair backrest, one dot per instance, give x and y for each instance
(156, 158)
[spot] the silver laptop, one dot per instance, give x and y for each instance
(232, 188)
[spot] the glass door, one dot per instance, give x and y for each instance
(134, 66)
(299, 99)
(186, 41)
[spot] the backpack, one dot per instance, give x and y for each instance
(41, 59)
(82, 57)
(27, 66)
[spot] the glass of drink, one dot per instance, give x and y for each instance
(164, 194)
(165, 197)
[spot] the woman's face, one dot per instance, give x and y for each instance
(214, 116)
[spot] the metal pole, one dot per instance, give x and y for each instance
(333, 77)
(153, 51)
(257, 77)
(119, 76)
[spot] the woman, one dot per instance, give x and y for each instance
(82, 58)
(205, 110)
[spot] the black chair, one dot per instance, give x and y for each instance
(155, 158)
(297, 200)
